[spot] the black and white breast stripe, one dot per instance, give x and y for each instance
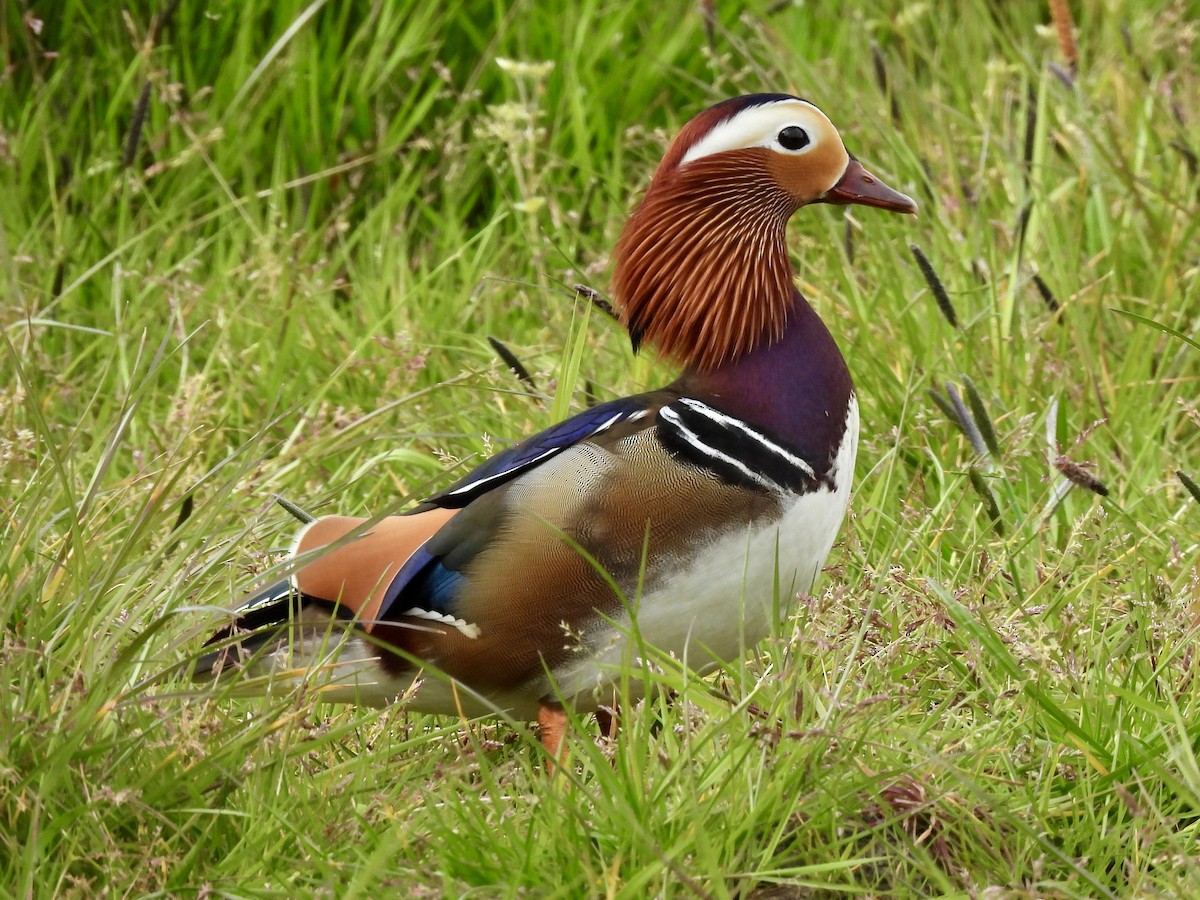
(735, 451)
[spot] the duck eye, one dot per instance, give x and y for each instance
(793, 138)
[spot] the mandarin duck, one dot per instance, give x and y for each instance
(681, 517)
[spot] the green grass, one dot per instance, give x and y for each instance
(287, 289)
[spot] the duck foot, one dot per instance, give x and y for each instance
(552, 729)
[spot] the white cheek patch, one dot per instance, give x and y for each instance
(759, 126)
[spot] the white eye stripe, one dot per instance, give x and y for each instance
(759, 126)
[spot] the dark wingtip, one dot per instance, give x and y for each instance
(255, 622)
(232, 656)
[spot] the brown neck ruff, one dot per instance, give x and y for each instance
(702, 269)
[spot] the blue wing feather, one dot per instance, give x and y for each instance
(533, 450)
(426, 583)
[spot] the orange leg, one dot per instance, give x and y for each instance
(552, 729)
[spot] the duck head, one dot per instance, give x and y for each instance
(702, 269)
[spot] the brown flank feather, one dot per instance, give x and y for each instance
(702, 269)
